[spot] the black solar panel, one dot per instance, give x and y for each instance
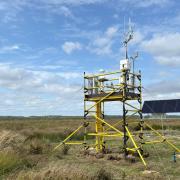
(161, 106)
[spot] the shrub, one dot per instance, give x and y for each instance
(102, 174)
(65, 149)
(36, 147)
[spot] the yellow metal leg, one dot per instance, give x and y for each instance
(99, 128)
(134, 143)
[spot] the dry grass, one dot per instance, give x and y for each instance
(26, 153)
(11, 139)
(54, 171)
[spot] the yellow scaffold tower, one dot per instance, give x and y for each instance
(122, 86)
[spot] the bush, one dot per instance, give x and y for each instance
(102, 174)
(65, 149)
(36, 147)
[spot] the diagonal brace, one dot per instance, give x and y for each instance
(117, 123)
(101, 100)
(74, 132)
(159, 134)
(136, 147)
(108, 124)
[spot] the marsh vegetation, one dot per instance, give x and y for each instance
(26, 153)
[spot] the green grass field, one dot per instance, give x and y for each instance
(26, 153)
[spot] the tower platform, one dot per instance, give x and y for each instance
(115, 96)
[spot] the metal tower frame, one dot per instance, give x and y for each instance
(119, 92)
(97, 92)
(94, 113)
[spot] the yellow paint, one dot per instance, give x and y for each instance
(163, 138)
(109, 125)
(99, 127)
(134, 143)
(74, 132)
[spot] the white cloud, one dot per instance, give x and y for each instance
(28, 80)
(137, 3)
(60, 10)
(9, 10)
(163, 89)
(9, 102)
(68, 47)
(11, 48)
(102, 45)
(169, 61)
(146, 3)
(167, 44)
(111, 31)
(66, 11)
(72, 2)
(34, 92)
(165, 48)
(138, 37)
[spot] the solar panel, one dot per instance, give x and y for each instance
(161, 106)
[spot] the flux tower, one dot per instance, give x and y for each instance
(123, 86)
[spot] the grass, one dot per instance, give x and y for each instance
(32, 157)
(8, 162)
(102, 174)
(65, 149)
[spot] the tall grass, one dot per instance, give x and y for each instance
(8, 162)
(103, 174)
(32, 159)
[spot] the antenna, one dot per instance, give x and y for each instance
(128, 37)
(124, 25)
(130, 26)
(133, 59)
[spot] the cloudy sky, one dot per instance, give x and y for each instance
(46, 45)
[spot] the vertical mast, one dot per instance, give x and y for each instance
(127, 38)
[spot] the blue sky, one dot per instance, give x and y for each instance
(45, 46)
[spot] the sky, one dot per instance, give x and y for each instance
(45, 46)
